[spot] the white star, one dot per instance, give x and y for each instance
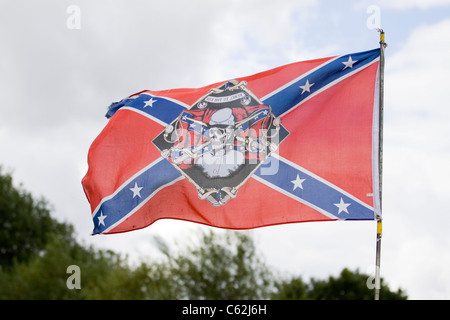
(149, 102)
(298, 183)
(342, 206)
(349, 63)
(101, 218)
(136, 190)
(306, 87)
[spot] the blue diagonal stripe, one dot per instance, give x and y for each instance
(162, 109)
(292, 95)
(314, 192)
(156, 176)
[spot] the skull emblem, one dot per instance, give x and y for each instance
(221, 140)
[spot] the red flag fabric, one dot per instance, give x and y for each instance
(293, 144)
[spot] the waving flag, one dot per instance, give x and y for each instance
(293, 144)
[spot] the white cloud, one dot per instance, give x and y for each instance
(417, 154)
(407, 4)
(417, 92)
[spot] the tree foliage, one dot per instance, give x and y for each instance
(25, 223)
(35, 251)
(222, 266)
(350, 285)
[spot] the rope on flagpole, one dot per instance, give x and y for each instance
(383, 45)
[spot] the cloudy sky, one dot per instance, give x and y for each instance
(56, 81)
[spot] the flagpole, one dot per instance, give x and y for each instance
(380, 164)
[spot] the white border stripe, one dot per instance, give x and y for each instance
(141, 204)
(330, 85)
(182, 104)
(376, 146)
(290, 195)
(329, 184)
(299, 78)
(125, 184)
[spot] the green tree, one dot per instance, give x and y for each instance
(35, 251)
(222, 266)
(348, 286)
(119, 281)
(291, 289)
(42, 276)
(351, 286)
(25, 223)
